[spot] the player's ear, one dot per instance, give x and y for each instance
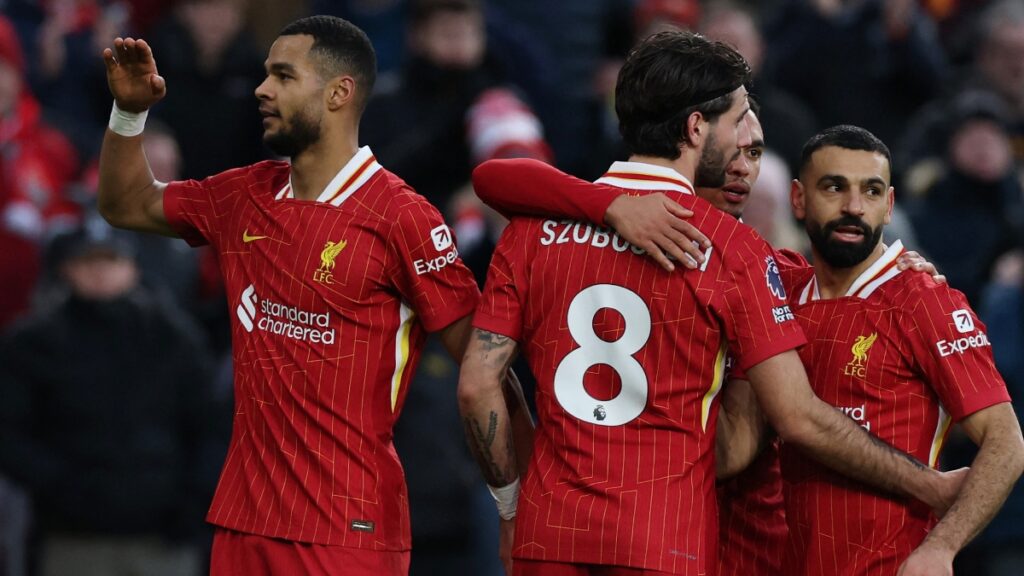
(892, 200)
(341, 91)
(694, 129)
(797, 198)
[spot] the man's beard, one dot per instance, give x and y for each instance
(711, 168)
(843, 254)
(303, 133)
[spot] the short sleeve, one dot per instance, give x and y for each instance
(501, 307)
(952, 348)
(195, 209)
(758, 320)
(427, 270)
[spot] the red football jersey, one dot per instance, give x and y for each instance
(752, 514)
(752, 518)
(902, 356)
(629, 361)
(329, 300)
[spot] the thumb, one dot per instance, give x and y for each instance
(158, 84)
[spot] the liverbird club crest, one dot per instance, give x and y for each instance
(771, 275)
(327, 255)
(859, 350)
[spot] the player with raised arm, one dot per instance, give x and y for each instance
(629, 356)
(335, 269)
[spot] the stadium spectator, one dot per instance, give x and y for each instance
(69, 85)
(214, 65)
(440, 120)
(581, 38)
(870, 63)
(974, 187)
(106, 415)
(997, 67)
(785, 116)
(36, 165)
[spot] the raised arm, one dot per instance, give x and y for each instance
(653, 221)
(838, 442)
(129, 196)
(995, 470)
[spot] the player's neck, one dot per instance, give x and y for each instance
(683, 165)
(835, 282)
(315, 167)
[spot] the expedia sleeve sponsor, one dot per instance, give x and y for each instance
(963, 320)
(963, 344)
(441, 237)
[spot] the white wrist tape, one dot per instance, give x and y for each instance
(127, 123)
(507, 499)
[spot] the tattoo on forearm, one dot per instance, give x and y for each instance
(482, 443)
(492, 429)
(490, 340)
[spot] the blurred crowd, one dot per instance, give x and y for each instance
(115, 386)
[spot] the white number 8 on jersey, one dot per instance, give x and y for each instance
(569, 390)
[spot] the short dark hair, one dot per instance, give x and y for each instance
(755, 104)
(667, 77)
(844, 136)
(339, 47)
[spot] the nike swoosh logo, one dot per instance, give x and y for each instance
(246, 238)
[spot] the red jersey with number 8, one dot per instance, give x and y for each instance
(629, 361)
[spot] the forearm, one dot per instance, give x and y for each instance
(843, 445)
(482, 403)
(740, 431)
(533, 188)
(489, 432)
(993, 473)
(521, 420)
(126, 183)
(832, 438)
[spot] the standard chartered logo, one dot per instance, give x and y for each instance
(283, 320)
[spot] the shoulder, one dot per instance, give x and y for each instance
(268, 176)
(918, 292)
(397, 202)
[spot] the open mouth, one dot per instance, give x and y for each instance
(735, 192)
(848, 233)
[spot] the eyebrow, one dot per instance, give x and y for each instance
(281, 67)
(835, 178)
(843, 181)
(759, 143)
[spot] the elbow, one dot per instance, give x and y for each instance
(110, 209)
(1016, 460)
(796, 429)
(471, 390)
(483, 174)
